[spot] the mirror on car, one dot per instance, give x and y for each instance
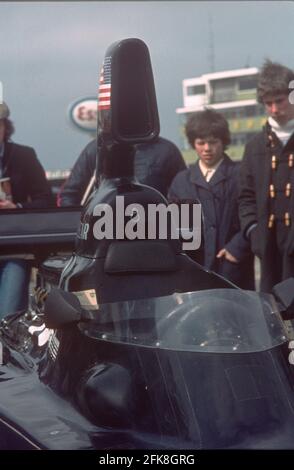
(284, 293)
(62, 308)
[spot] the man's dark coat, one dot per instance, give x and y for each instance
(29, 185)
(255, 178)
(221, 226)
(156, 164)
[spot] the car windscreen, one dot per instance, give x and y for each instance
(219, 320)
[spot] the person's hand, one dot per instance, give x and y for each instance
(6, 204)
(225, 253)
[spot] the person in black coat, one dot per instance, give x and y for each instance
(213, 181)
(156, 164)
(267, 180)
(24, 185)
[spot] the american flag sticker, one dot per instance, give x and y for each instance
(104, 96)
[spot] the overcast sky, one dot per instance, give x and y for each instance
(51, 54)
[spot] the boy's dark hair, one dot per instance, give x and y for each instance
(9, 129)
(273, 79)
(207, 123)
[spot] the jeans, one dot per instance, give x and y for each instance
(14, 285)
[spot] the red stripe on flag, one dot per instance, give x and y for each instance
(101, 107)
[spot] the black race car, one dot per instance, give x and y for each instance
(130, 344)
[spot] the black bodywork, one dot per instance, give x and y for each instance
(202, 370)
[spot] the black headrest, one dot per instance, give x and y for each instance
(140, 256)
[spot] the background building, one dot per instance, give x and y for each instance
(232, 93)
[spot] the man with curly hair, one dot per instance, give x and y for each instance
(267, 179)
